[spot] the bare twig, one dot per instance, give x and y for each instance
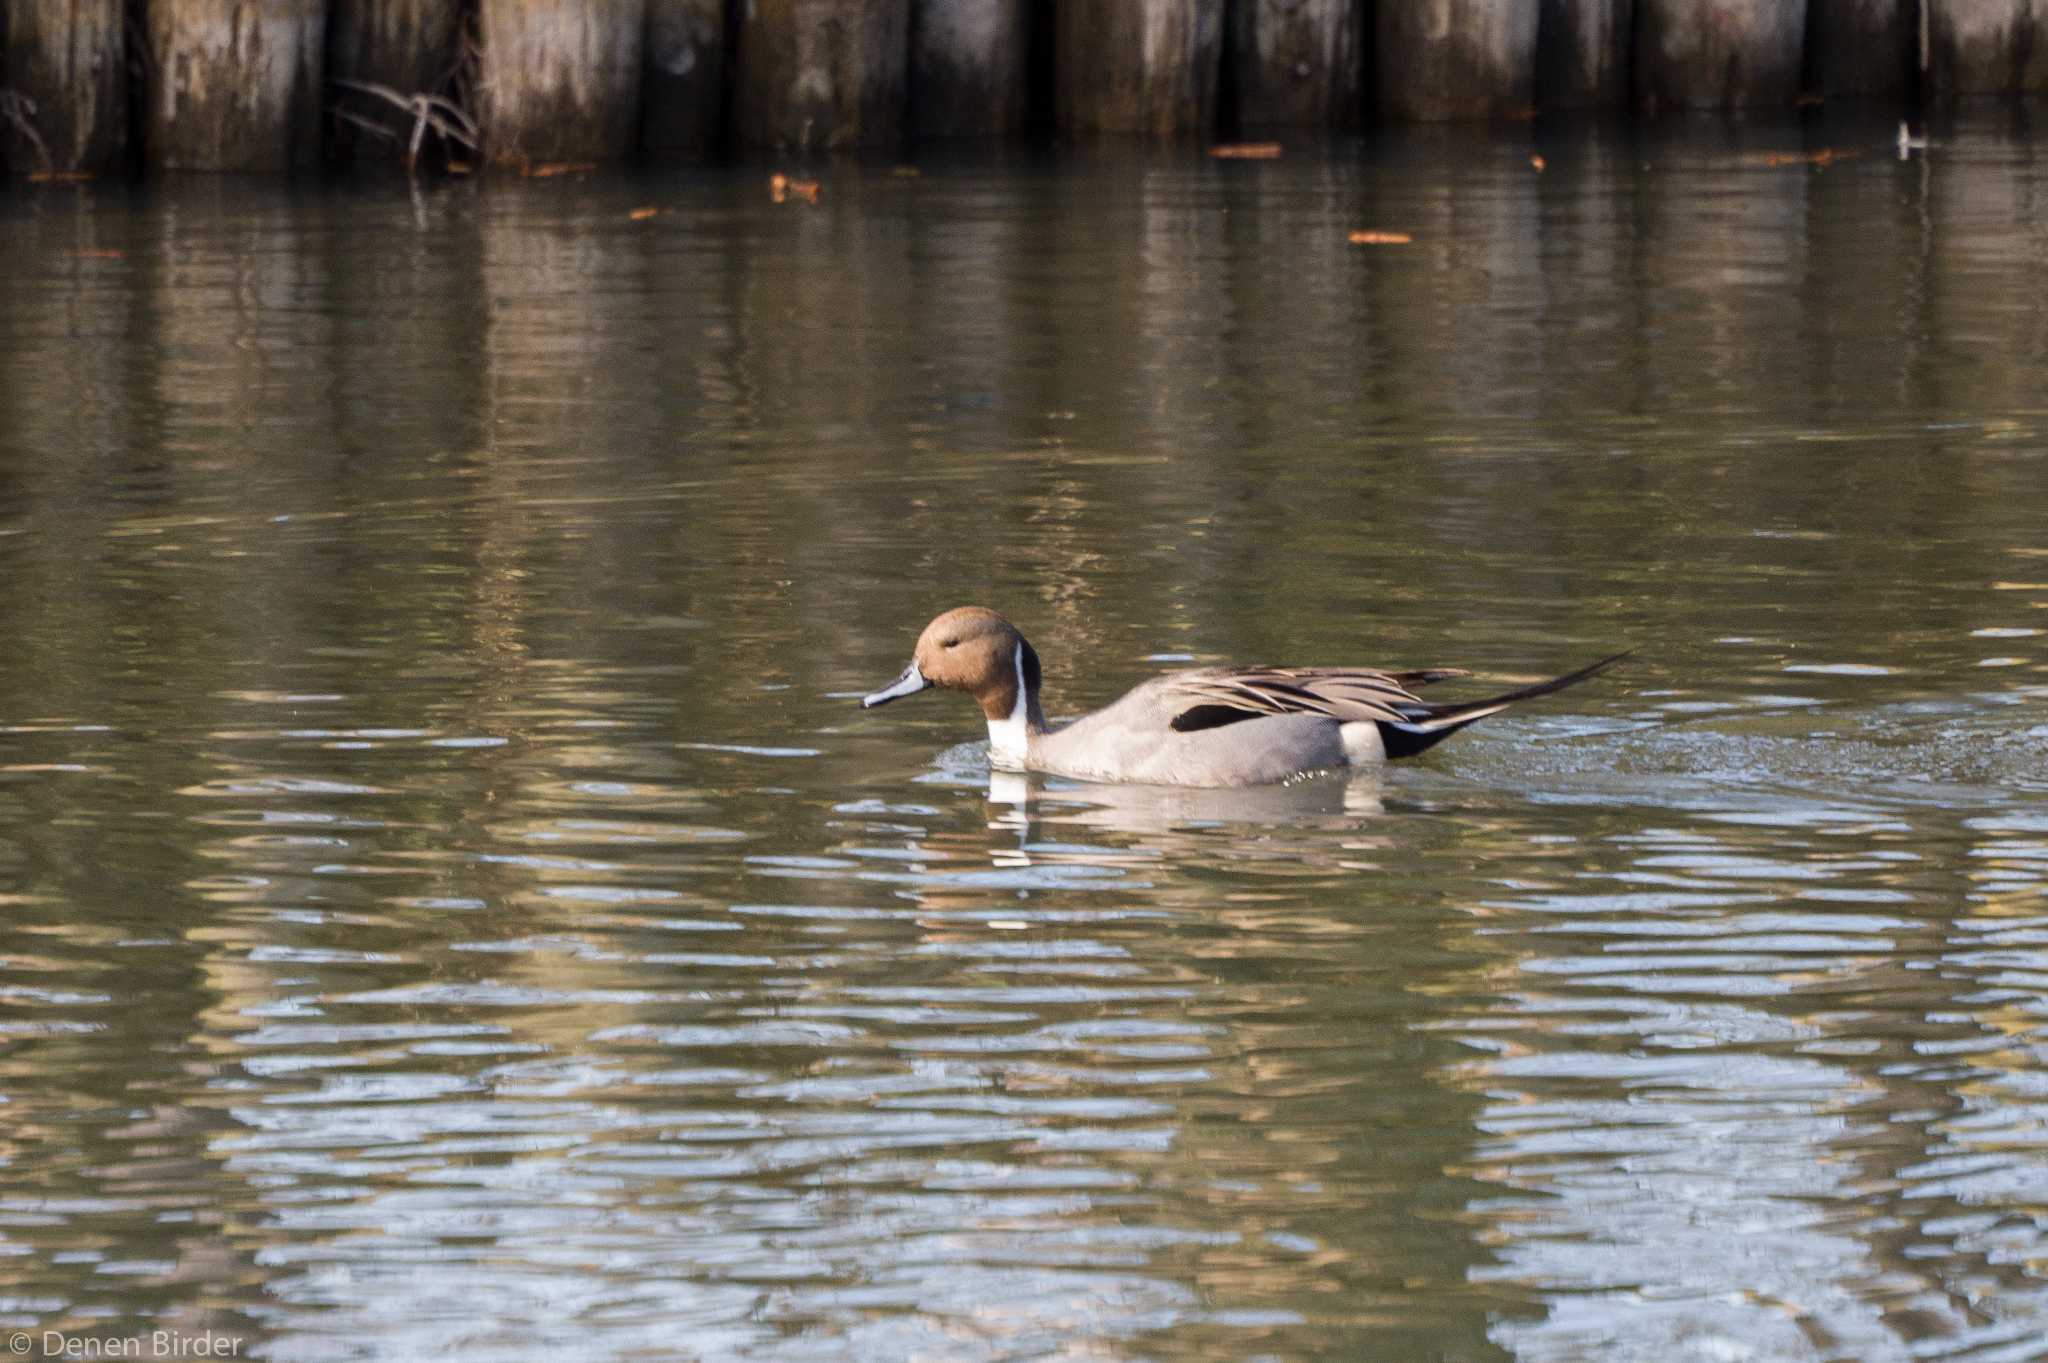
(18, 111)
(447, 119)
(459, 114)
(368, 125)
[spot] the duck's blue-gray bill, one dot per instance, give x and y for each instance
(909, 684)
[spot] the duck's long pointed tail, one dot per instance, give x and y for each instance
(1432, 724)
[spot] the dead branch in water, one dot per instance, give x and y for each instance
(18, 111)
(444, 117)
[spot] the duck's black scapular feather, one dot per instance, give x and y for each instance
(1407, 724)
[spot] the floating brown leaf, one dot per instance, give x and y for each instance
(1538, 164)
(548, 170)
(1823, 157)
(643, 214)
(782, 189)
(1246, 151)
(59, 177)
(1379, 238)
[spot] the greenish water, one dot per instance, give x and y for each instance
(450, 905)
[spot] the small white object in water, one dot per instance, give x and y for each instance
(1908, 143)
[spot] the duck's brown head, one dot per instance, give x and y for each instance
(971, 649)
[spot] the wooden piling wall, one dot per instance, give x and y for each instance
(261, 84)
(235, 84)
(1298, 63)
(407, 47)
(682, 91)
(1714, 54)
(821, 75)
(1981, 47)
(66, 60)
(1583, 53)
(1137, 66)
(1443, 59)
(968, 68)
(1862, 47)
(559, 82)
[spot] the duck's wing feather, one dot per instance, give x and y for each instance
(1408, 724)
(1421, 676)
(1211, 698)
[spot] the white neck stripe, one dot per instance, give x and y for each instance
(1006, 737)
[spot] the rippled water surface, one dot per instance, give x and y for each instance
(451, 907)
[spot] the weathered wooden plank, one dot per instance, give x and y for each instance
(560, 82)
(682, 93)
(235, 84)
(816, 74)
(1125, 66)
(68, 58)
(1298, 63)
(1582, 53)
(408, 45)
(1987, 47)
(968, 61)
(1709, 54)
(1443, 59)
(1862, 47)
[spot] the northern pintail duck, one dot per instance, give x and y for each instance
(1206, 726)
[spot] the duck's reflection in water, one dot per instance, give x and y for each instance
(1055, 821)
(1156, 809)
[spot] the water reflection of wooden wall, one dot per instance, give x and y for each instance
(252, 84)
